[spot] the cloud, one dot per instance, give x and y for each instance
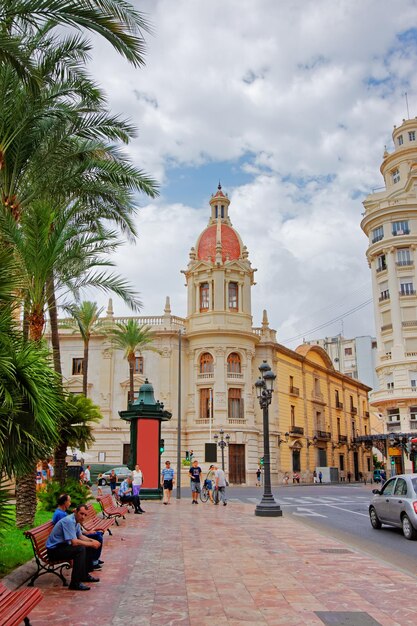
(302, 97)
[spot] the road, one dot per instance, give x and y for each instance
(339, 511)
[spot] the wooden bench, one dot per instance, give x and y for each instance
(119, 503)
(15, 606)
(38, 537)
(110, 509)
(93, 523)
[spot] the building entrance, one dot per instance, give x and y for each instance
(237, 471)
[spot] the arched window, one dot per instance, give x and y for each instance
(233, 363)
(206, 363)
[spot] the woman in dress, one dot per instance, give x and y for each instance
(137, 480)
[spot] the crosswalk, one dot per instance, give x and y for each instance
(291, 501)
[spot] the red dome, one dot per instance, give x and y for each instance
(207, 243)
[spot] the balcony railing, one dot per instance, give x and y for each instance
(205, 376)
(407, 292)
(396, 233)
(366, 413)
(413, 423)
(393, 426)
(353, 410)
(377, 238)
(384, 295)
(318, 397)
(386, 327)
(343, 439)
(405, 263)
(339, 405)
(296, 430)
(322, 434)
(294, 391)
(409, 323)
(235, 375)
(381, 269)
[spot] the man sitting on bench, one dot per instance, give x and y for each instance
(64, 503)
(67, 542)
(126, 495)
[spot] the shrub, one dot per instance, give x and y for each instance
(79, 494)
(186, 463)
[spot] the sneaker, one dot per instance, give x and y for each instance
(100, 562)
(165, 503)
(224, 503)
(142, 511)
(138, 512)
(79, 587)
(97, 567)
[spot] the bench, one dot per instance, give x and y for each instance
(38, 537)
(110, 510)
(15, 606)
(93, 523)
(119, 503)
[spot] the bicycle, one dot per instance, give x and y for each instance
(204, 493)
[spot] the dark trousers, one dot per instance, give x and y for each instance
(98, 536)
(134, 499)
(82, 560)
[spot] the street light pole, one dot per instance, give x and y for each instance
(222, 443)
(267, 507)
(179, 419)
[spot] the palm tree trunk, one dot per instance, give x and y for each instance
(85, 368)
(53, 317)
(59, 462)
(26, 499)
(131, 378)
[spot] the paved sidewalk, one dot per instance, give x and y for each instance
(215, 565)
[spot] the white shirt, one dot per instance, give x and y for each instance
(87, 475)
(137, 477)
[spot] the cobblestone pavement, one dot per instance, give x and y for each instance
(212, 565)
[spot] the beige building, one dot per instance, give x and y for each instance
(390, 222)
(316, 412)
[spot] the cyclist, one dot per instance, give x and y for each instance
(208, 482)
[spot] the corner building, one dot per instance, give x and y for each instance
(316, 412)
(390, 223)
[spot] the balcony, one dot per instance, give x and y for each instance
(377, 238)
(406, 263)
(235, 375)
(413, 424)
(397, 233)
(236, 420)
(386, 327)
(409, 323)
(407, 292)
(343, 439)
(393, 427)
(384, 295)
(381, 269)
(296, 431)
(339, 405)
(317, 396)
(205, 376)
(366, 414)
(353, 410)
(294, 391)
(323, 435)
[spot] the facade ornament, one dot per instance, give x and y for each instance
(167, 309)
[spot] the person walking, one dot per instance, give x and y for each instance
(195, 481)
(113, 481)
(320, 478)
(315, 477)
(258, 477)
(167, 479)
(87, 476)
(220, 489)
(209, 482)
(137, 480)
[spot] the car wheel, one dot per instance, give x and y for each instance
(374, 519)
(408, 529)
(102, 482)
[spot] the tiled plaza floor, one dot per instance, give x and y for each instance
(205, 565)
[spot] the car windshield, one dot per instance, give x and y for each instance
(414, 483)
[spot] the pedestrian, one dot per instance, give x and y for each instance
(87, 476)
(191, 456)
(383, 477)
(67, 543)
(286, 478)
(349, 476)
(220, 488)
(99, 489)
(296, 477)
(51, 471)
(126, 495)
(113, 481)
(167, 479)
(210, 478)
(137, 480)
(320, 478)
(195, 480)
(314, 477)
(39, 476)
(258, 477)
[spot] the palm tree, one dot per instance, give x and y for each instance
(85, 319)
(115, 20)
(76, 429)
(132, 337)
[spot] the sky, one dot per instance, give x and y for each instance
(290, 105)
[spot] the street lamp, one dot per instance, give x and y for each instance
(179, 459)
(222, 443)
(264, 389)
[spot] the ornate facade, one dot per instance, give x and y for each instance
(316, 412)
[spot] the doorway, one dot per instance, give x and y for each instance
(237, 470)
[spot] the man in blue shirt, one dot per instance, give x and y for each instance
(126, 495)
(64, 503)
(167, 479)
(67, 542)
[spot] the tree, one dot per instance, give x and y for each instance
(85, 319)
(75, 430)
(132, 337)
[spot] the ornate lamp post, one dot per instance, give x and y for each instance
(222, 443)
(264, 390)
